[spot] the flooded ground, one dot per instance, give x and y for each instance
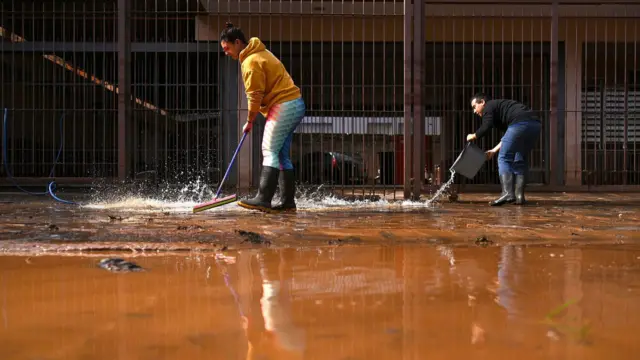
(30, 224)
(559, 279)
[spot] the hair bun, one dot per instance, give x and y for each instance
(229, 25)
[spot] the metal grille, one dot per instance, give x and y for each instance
(501, 52)
(178, 129)
(140, 89)
(610, 102)
(58, 83)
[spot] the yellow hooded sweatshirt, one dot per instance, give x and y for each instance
(266, 81)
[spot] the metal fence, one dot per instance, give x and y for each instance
(140, 89)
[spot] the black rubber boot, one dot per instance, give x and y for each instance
(506, 180)
(287, 183)
(519, 189)
(266, 190)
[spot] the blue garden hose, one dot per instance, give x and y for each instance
(52, 185)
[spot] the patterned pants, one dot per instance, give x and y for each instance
(282, 121)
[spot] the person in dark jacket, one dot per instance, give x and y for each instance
(522, 131)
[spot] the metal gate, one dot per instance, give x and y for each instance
(140, 89)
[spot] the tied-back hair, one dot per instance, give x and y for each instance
(232, 33)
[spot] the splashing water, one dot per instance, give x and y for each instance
(442, 189)
(182, 199)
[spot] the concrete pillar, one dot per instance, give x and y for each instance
(233, 116)
(229, 135)
(125, 104)
(245, 157)
(573, 122)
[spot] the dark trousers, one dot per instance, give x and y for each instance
(517, 144)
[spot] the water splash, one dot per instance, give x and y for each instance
(182, 199)
(442, 189)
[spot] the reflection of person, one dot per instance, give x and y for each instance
(269, 327)
(271, 92)
(522, 131)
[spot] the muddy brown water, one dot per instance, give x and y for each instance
(556, 280)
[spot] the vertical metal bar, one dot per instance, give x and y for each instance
(408, 67)
(598, 90)
(636, 127)
(384, 110)
(503, 78)
(105, 94)
(165, 86)
(394, 110)
(156, 117)
(615, 105)
(186, 94)
(584, 103)
(604, 173)
(418, 105)
(7, 101)
(322, 91)
(553, 100)
(625, 130)
(343, 111)
(124, 88)
(50, 113)
(365, 119)
(332, 94)
(353, 91)
(522, 61)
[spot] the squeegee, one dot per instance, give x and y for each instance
(227, 199)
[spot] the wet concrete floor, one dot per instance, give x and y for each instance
(559, 279)
(28, 226)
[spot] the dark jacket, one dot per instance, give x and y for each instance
(500, 113)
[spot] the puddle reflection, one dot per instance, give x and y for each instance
(364, 302)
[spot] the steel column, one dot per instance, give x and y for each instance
(418, 102)
(553, 98)
(408, 85)
(124, 90)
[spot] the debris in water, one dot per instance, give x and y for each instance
(483, 241)
(53, 227)
(387, 235)
(190, 227)
(453, 197)
(557, 330)
(119, 265)
(347, 240)
(115, 218)
(252, 237)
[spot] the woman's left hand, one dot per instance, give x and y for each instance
(247, 127)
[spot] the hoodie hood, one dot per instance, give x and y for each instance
(254, 46)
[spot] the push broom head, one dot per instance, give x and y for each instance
(215, 203)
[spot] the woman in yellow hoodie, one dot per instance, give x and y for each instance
(271, 92)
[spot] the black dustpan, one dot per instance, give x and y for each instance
(469, 162)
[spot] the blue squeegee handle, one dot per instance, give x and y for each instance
(233, 159)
